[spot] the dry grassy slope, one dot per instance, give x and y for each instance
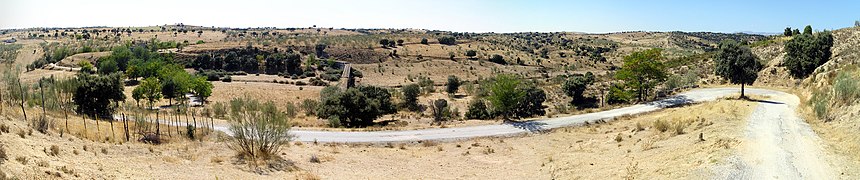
(840, 134)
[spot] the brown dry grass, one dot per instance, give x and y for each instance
(592, 150)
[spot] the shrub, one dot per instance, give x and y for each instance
(471, 53)
(309, 106)
(55, 150)
(440, 110)
(498, 59)
(189, 129)
(259, 129)
(3, 155)
(477, 110)
(574, 87)
(427, 85)
(219, 109)
(424, 41)
(290, 110)
(678, 127)
(661, 125)
(410, 96)
(820, 102)
(41, 124)
(448, 40)
(846, 88)
(227, 79)
(333, 121)
(453, 84)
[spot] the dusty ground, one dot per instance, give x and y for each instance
(613, 150)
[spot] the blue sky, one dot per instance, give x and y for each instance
(455, 15)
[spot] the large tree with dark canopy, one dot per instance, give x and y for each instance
(355, 107)
(95, 93)
(806, 52)
(737, 64)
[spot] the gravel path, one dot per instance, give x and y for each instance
(778, 145)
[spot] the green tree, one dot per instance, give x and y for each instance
(498, 59)
(642, 71)
(453, 84)
(795, 32)
(94, 94)
(787, 31)
(202, 88)
(150, 90)
(410, 96)
(424, 41)
(804, 53)
(574, 87)
(471, 53)
(737, 64)
(107, 66)
(384, 42)
(807, 30)
(504, 94)
(355, 107)
(532, 103)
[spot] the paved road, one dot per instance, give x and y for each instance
(510, 129)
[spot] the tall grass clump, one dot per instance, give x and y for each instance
(846, 87)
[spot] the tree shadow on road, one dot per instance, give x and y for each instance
(673, 101)
(531, 126)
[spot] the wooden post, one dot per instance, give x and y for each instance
(113, 135)
(85, 126)
(98, 129)
(22, 98)
(195, 121)
(125, 126)
(157, 126)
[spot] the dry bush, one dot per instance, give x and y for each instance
(76, 152)
(661, 125)
(308, 176)
(3, 155)
(4, 128)
(55, 150)
(679, 127)
(41, 124)
(639, 127)
(647, 144)
(22, 134)
(428, 143)
(314, 159)
(259, 129)
(21, 159)
(104, 151)
(619, 138)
